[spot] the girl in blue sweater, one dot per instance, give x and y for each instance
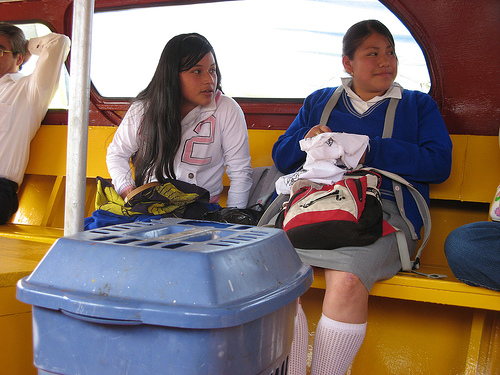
(418, 150)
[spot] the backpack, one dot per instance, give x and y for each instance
(274, 217)
(347, 213)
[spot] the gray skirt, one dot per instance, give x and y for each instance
(378, 261)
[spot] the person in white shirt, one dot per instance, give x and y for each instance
(24, 101)
(182, 127)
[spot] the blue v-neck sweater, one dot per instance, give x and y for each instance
(419, 149)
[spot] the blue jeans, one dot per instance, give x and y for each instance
(473, 253)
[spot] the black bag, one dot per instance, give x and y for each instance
(233, 215)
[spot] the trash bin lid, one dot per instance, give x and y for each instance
(172, 272)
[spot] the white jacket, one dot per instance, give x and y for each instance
(214, 138)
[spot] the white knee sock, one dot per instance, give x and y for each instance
(297, 362)
(335, 346)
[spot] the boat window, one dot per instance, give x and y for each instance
(265, 48)
(60, 100)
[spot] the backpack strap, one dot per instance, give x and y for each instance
(389, 115)
(397, 182)
(330, 105)
(268, 219)
(389, 118)
(406, 264)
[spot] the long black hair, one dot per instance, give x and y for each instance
(160, 130)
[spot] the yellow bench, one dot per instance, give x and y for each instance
(462, 199)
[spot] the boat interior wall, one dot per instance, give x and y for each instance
(458, 38)
(459, 82)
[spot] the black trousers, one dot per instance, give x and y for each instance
(9, 202)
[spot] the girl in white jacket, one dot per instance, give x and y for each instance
(182, 127)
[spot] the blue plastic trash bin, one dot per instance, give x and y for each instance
(169, 297)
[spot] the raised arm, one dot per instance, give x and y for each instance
(52, 50)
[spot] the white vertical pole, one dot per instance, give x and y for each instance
(78, 116)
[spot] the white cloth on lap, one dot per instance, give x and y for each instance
(328, 157)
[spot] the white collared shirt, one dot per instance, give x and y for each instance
(24, 101)
(360, 105)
